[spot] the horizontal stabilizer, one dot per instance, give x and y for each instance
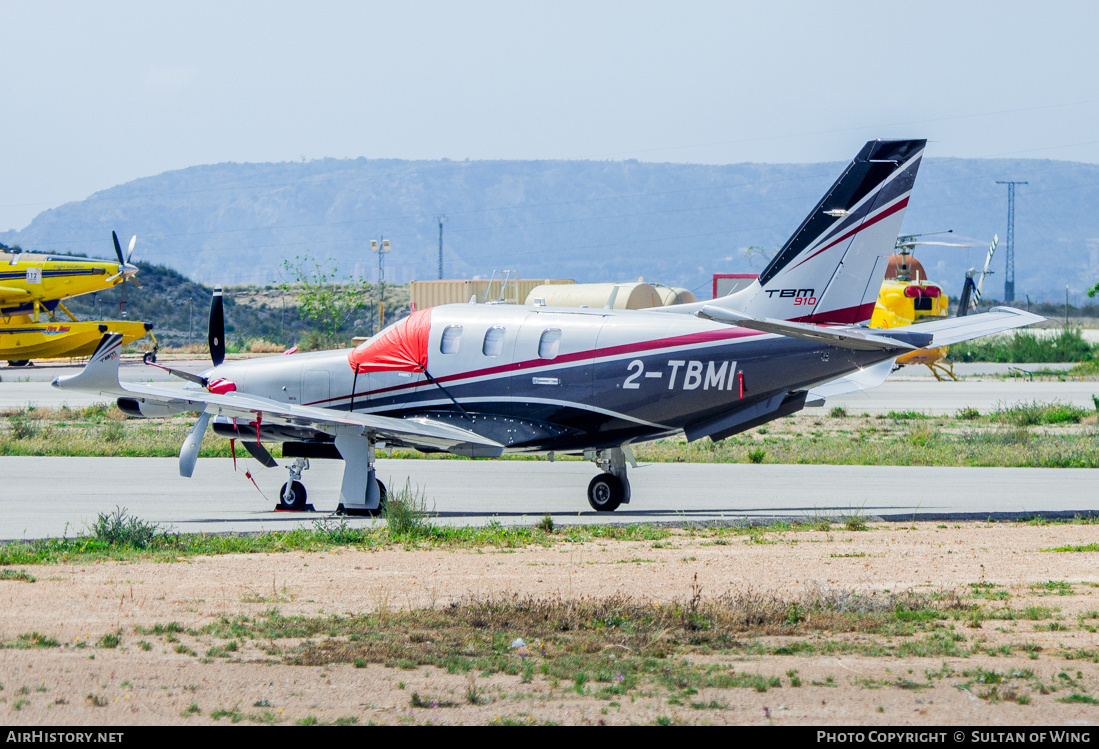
(848, 338)
(947, 331)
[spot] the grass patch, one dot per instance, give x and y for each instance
(1026, 347)
(1084, 547)
(19, 575)
(122, 529)
(120, 536)
(1036, 413)
(606, 648)
(1079, 699)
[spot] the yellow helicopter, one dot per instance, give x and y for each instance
(907, 296)
(33, 284)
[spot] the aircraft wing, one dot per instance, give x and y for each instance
(414, 432)
(12, 295)
(101, 376)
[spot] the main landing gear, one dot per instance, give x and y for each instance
(360, 494)
(611, 488)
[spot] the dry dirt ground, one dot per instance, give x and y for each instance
(1044, 668)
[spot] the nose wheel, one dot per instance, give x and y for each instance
(292, 495)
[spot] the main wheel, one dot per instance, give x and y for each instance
(149, 357)
(19, 363)
(605, 492)
(382, 495)
(294, 499)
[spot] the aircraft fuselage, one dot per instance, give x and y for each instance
(538, 379)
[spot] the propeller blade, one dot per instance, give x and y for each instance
(198, 379)
(130, 252)
(216, 335)
(188, 454)
(118, 251)
(116, 275)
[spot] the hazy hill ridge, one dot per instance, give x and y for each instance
(588, 220)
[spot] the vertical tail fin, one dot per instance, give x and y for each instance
(830, 270)
(100, 374)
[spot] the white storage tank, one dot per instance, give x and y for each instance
(596, 295)
(670, 295)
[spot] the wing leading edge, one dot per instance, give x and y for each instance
(101, 376)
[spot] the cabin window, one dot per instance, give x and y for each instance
(549, 344)
(494, 342)
(452, 336)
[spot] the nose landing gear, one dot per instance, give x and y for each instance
(292, 495)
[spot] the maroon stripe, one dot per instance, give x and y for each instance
(844, 316)
(864, 225)
(629, 348)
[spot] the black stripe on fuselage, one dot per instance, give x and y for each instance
(594, 402)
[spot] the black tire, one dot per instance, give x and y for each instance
(19, 363)
(149, 358)
(376, 512)
(296, 500)
(382, 495)
(606, 492)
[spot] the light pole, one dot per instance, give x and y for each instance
(380, 246)
(441, 219)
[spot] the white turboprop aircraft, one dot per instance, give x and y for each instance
(481, 380)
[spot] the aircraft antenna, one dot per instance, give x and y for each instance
(1009, 260)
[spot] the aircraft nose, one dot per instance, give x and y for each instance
(129, 271)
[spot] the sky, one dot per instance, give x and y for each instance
(97, 94)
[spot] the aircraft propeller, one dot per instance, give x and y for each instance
(125, 269)
(188, 453)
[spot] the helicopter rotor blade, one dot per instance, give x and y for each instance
(986, 271)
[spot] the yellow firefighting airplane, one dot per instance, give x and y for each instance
(33, 284)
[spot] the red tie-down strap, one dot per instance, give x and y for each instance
(247, 473)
